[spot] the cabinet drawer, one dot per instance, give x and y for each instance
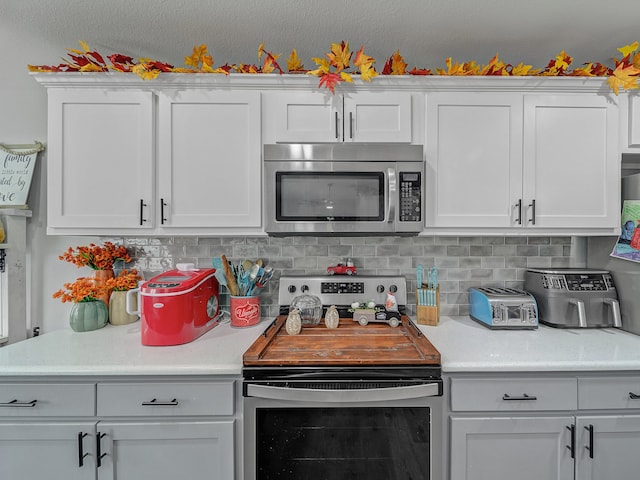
(43, 399)
(620, 392)
(161, 399)
(503, 394)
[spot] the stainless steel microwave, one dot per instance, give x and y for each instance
(344, 189)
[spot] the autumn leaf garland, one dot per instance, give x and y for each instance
(334, 67)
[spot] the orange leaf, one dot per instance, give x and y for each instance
(330, 80)
(419, 71)
(294, 64)
(624, 77)
(340, 55)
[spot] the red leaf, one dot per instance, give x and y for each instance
(330, 80)
(419, 71)
(386, 70)
(97, 57)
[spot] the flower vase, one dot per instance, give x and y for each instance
(100, 277)
(87, 316)
(117, 308)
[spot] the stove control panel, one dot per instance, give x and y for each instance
(343, 291)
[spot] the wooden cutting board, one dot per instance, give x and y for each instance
(349, 344)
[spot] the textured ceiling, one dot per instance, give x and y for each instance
(425, 31)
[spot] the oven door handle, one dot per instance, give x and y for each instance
(343, 396)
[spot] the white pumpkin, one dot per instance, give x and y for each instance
(293, 325)
(332, 317)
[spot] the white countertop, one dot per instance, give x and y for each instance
(117, 350)
(465, 346)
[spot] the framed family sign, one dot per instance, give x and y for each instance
(17, 164)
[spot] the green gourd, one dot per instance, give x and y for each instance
(87, 316)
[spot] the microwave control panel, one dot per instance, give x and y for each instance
(410, 197)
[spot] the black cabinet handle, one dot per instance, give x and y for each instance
(350, 124)
(162, 205)
(533, 212)
(589, 447)
(519, 207)
(81, 453)
(17, 403)
(155, 403)
(337, 129)
(142, 205)
(99, 454)
(572, 446)
(524, 396)
(634, 396)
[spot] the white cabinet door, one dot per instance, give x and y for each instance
(631, 123)
(571, 162)
(56, 450)
(354, 117)
(304, 117)
(608, 447)
(166, 450)
(377, 117)
(209, 159)
(523, 448)
(474, 159)
(100, 158)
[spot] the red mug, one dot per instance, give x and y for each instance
(245, 311)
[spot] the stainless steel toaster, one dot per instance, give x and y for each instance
(574, 298)
(503, 308)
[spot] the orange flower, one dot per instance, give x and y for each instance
(95, 256)
(126, 280)
(83, 289)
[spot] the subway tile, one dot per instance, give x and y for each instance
(480, 250)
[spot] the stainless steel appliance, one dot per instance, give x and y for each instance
(346, 189)
(503, 308)
(574, 297)
(351, 402)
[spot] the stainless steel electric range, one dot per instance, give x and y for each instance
(358, 401)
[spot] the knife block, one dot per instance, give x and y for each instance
(428, 306)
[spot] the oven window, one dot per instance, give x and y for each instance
(343, 196)
(382, 443)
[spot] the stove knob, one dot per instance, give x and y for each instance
(304, 288)
(380, 289)
(393, 289)
(291, 288)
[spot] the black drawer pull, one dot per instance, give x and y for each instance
(572, 446)
(81, 454)
(634, 396)
(524, 396)
(17, 403)
(590, 448)
(156, 403)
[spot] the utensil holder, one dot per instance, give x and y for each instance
(428, 306)
(245, 311)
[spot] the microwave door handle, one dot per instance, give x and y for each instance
(392, 188)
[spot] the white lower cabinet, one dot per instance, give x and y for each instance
(166, 450)
(560, 427)
(119, 430)
(523, 448)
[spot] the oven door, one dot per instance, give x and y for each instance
(385, 434)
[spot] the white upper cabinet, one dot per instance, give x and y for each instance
(512, 162)
(474, 159)
(630, 123)
(209, 161)
(310, 117)
(100, 158)
(571, 162)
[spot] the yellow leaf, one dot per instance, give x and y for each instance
(91, 67)
(523, 70)
(294, 63)
(144, 73)
(563, 61)
(340, 55)
(367, 72)
(323, 67)
(635, 60)
(398, 66)
(260, 50)
(346, 77)
(627, 49)
(85, 46)
(362, 59)
(625, 78)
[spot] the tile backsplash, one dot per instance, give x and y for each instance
(462, 262)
